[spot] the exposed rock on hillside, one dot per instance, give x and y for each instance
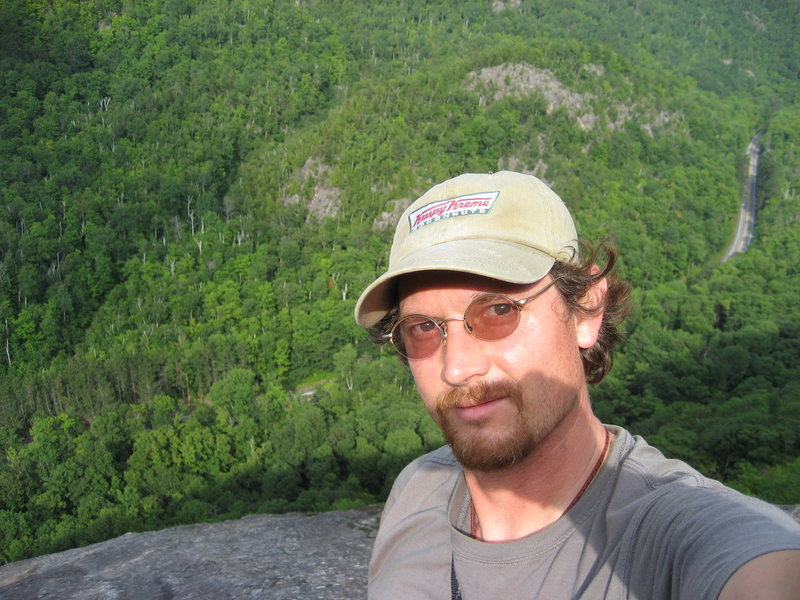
(325, 199)
(263, 556)
(388, 219)
(501, 5)
(518, 79)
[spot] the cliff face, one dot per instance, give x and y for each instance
(262, 556)
(293, 556)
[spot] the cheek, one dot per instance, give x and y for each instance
(429, 383)
(527, 346)
(543, 346)
(518, 354)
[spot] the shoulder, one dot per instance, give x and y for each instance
(412, 549)
(426, 482)
(677, 493)
(672, 485)
(704, 530)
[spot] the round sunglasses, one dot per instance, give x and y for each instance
(488, 317)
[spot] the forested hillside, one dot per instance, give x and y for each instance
(194, 194)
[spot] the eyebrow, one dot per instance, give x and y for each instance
(472, 297)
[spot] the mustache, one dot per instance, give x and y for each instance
(481, 392)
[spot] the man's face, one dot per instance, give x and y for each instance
(496, 401)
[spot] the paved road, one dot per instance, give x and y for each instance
(747, 215)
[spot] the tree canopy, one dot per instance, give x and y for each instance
(195, 193)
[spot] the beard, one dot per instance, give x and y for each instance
(484, 446)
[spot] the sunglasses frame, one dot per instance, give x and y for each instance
(440, 323)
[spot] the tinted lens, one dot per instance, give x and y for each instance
(416, 336)
(492, 317)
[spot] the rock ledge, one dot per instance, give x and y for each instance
(289, 556)
(285, 557)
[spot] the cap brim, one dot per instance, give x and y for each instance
(496, 259)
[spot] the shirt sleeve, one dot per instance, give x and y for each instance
(691, 540)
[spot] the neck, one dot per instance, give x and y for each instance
(536, 492)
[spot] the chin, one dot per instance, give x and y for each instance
(480, 453)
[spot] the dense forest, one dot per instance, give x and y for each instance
(193, 195)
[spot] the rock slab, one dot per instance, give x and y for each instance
(271, 557)
(291, 556)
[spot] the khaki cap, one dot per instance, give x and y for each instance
(507, 226)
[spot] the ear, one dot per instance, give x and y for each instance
(587, 327)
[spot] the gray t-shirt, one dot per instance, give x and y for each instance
(646, 528)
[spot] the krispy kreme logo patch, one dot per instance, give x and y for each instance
(471, 204)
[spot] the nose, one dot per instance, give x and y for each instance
(463, 357)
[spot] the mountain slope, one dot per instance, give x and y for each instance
(195, 194)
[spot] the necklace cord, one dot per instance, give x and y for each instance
(473, 516)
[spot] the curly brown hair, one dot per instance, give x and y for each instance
(573, 281)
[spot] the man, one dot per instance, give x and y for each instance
(503, 323)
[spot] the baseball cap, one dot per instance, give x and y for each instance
(507, 226)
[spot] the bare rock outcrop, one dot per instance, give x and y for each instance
(325, 199)
(520, 79)
(270, 557)
(261, 556)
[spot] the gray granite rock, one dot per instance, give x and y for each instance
(273, 557)
(263, 556)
